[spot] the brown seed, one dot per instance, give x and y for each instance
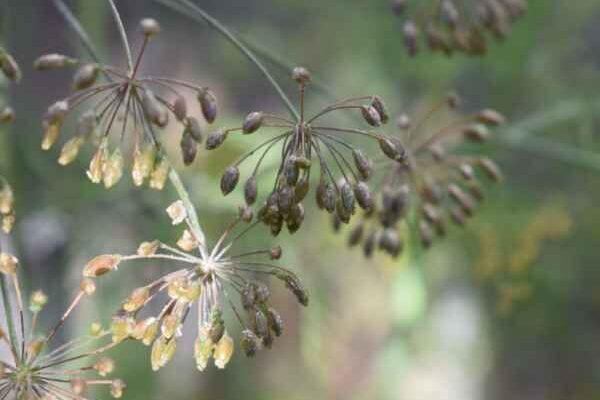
(275, 253)
(379, 105)
(371, 115)
(156, 113)
(85, 76)
(490, 117)
(356, 235)
(215, 139)
(392, 148)
(208, 104)
(180, 108)
(275, 321)
(490, 168)
(249, 343)
(363, 196)
(364, 166)
(253, 122)
(229, 179)
(189, 148)
(250, 190)
(301, 189)
(193, 126)
(9, 66)
(52, 61)
(476, 133)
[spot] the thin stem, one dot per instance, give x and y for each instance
(199, 14)
(8, 312)
(122, 32)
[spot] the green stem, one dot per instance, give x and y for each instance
(199, 14)
(123, 33)
(8, 311)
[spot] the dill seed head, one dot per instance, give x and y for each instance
(451, 26)
(205, 278)
(308, 144)
(9, 66)
(120, 106)
(433, 180)
(36, 368)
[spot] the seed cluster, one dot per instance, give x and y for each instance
(32, 368)
(204, 278)
(434, 185)
(450, 26)
(11, 71)
(127, 104)
(302, 142)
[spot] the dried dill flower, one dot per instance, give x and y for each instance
(128, 104)
(434, 185)
(210, 279)
(32, 367)
(7, 206)
(450, 26)
(343, 168)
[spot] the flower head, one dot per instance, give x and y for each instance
(343, 169)
(127, 105)
(208, 279)
(457, 26)
(33, 367)
(436, 184)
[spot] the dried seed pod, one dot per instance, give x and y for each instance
(371, 115)
(301, 189)
(262, 292)
(149, 27)
(490, 117)
(189, 148)
(8, 264)
(369, 245)
(223, 351)
(253, 122)
(476, 191)
(390, 242)
(85, 76)
(275, 322)
(462, 199)
(159, 175)
(250, 190)
(70, 150)
(466, 171)
(249, 343)
(426, 234)
(87, 123)
(217, 326)
(295, 218)
(9, 67)
(117, 386)
(156, 113)
(7, 115)
(364, 166)
(291, 172)
(101, 265)
(285, 199)
(52, 61)
(261, 325)
(379, 106)
(180, 108)
(229, 179)
(490, 168)
(347, 196)
(392, 148)
(248, 297)
(113, 169)
(208, 104)
(194, 128)
(363, 196)
(295, 286)
(215, 139)
(458, 216)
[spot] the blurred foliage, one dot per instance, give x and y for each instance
(433, 325)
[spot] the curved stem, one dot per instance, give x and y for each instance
(122, 32)
(199, 14)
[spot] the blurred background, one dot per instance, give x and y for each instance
(509, 307)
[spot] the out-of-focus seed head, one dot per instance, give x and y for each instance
(208, 104)
(149, 27)
(409, 33)
(476, 133)
(253, 122)
(490, 168)
(52, 61)
(491, 117)
(85, 76)
(7, 115)
(229, 179)
(398, 6)
(117, 386)
(404, 122)
(87, 286)
(301, 75)
(453, 100)
(101, 265)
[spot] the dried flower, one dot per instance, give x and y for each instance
(450, 26)
(7, 208)
(206, 279)
(434, 185)
(128, 105)
(303, 142)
